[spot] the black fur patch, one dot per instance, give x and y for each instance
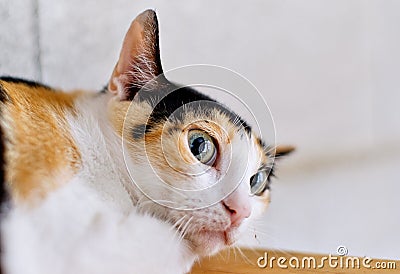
(28, 83)
(104, 89)
(138, 131)
(3, 94)
(173, 97)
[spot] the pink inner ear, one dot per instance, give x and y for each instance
(130, 49)
(139, 50)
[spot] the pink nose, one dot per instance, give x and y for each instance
(238, 206)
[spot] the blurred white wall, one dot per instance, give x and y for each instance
(329, 71)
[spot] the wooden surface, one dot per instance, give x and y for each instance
(232, 261)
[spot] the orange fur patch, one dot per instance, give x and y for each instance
(40, 152)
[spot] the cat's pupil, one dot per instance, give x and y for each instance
(201, 145)
(198, 146)
(259, 182)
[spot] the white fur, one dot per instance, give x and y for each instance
(74, 231)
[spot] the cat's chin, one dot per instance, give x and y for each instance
(206, 243)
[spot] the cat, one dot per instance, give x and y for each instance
(70, 202)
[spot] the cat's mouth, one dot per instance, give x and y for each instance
(209, 242)
(230, 237)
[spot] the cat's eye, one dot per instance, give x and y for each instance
(259, 182)
(202, 146)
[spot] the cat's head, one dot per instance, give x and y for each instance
(197, 164)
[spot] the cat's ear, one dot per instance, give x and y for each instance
(283, 150)
(139, 61)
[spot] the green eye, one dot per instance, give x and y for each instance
(202, 147)
(259, 182)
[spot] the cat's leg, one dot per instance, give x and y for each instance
(74, 231)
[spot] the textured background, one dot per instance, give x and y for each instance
(329, 71)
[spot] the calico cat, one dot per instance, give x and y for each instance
(69, 201)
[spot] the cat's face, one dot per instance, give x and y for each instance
(198, 170)
(197, 165)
